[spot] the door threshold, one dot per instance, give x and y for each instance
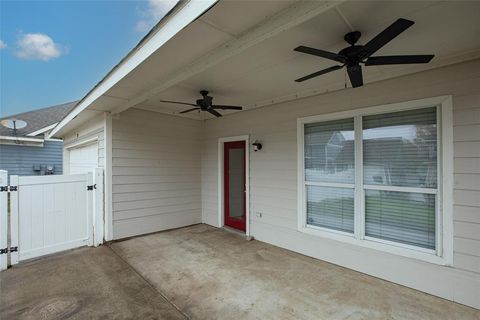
(233, 230)
(237, 232)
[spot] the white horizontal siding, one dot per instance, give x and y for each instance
(466, 213)
(273, 174)
(156, 172)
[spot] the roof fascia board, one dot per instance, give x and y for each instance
(9, 140)
(23, 144)
(42, 130)
(20, 139)
(286, 19)
(176, 22)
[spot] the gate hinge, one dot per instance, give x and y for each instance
(93, 186)
(3, 188)
(13, 188)
(7, 250)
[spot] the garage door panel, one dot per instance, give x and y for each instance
(83, 159)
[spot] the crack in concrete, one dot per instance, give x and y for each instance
(149, 284)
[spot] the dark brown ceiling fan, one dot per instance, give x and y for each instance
(354, 55)
(205, 104)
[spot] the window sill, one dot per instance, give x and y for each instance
(398, 249)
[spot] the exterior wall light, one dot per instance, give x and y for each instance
(257, 146)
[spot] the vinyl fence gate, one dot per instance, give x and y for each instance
(40, 215)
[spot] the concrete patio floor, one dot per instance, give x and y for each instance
(206, 273)
(87, 283)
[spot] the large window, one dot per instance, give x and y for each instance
(374, 177)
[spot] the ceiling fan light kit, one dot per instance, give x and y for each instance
(353, 56)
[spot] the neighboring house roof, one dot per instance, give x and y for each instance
(38, 119)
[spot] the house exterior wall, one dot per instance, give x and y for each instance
(91, 132)
(156, 172)
(96, 130)
(273, 179)
(20, 159)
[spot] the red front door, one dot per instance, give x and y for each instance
(234, 184)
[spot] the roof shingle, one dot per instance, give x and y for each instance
(38, 119)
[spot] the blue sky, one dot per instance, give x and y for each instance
(53, 52)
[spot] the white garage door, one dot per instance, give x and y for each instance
(83, 159)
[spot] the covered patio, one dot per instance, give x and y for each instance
(377, 177)
(201, 272)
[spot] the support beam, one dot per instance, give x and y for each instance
(284, 20)
(108, 186)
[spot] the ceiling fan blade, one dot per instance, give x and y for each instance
(321, 53)
(318, 73)
(355, 75)
(189, 110)
(382, 60)
(223, 107)
(385, 36)
(177, 102)
(214, 112)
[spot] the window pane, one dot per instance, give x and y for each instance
(330, 208)
(400, 149)
(236, 183)
(401, 217)
(329, 151)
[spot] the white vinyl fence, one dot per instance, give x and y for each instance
(3, 219)
(49, 214)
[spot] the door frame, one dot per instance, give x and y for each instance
(220, 187)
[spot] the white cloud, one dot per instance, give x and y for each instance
(2, 44)
(156, 10)
(143, 26)
(160, 7)
(37, 46)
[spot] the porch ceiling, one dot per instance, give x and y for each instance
(264, 73)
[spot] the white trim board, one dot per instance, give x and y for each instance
(42, 130)
(11, 138)
(108, 198)
(444, 245)
(82, 142)
(220, 186)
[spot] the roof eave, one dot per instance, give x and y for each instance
(174, 21)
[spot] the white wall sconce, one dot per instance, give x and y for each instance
(257, 146)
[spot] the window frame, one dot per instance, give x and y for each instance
(443, 254)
